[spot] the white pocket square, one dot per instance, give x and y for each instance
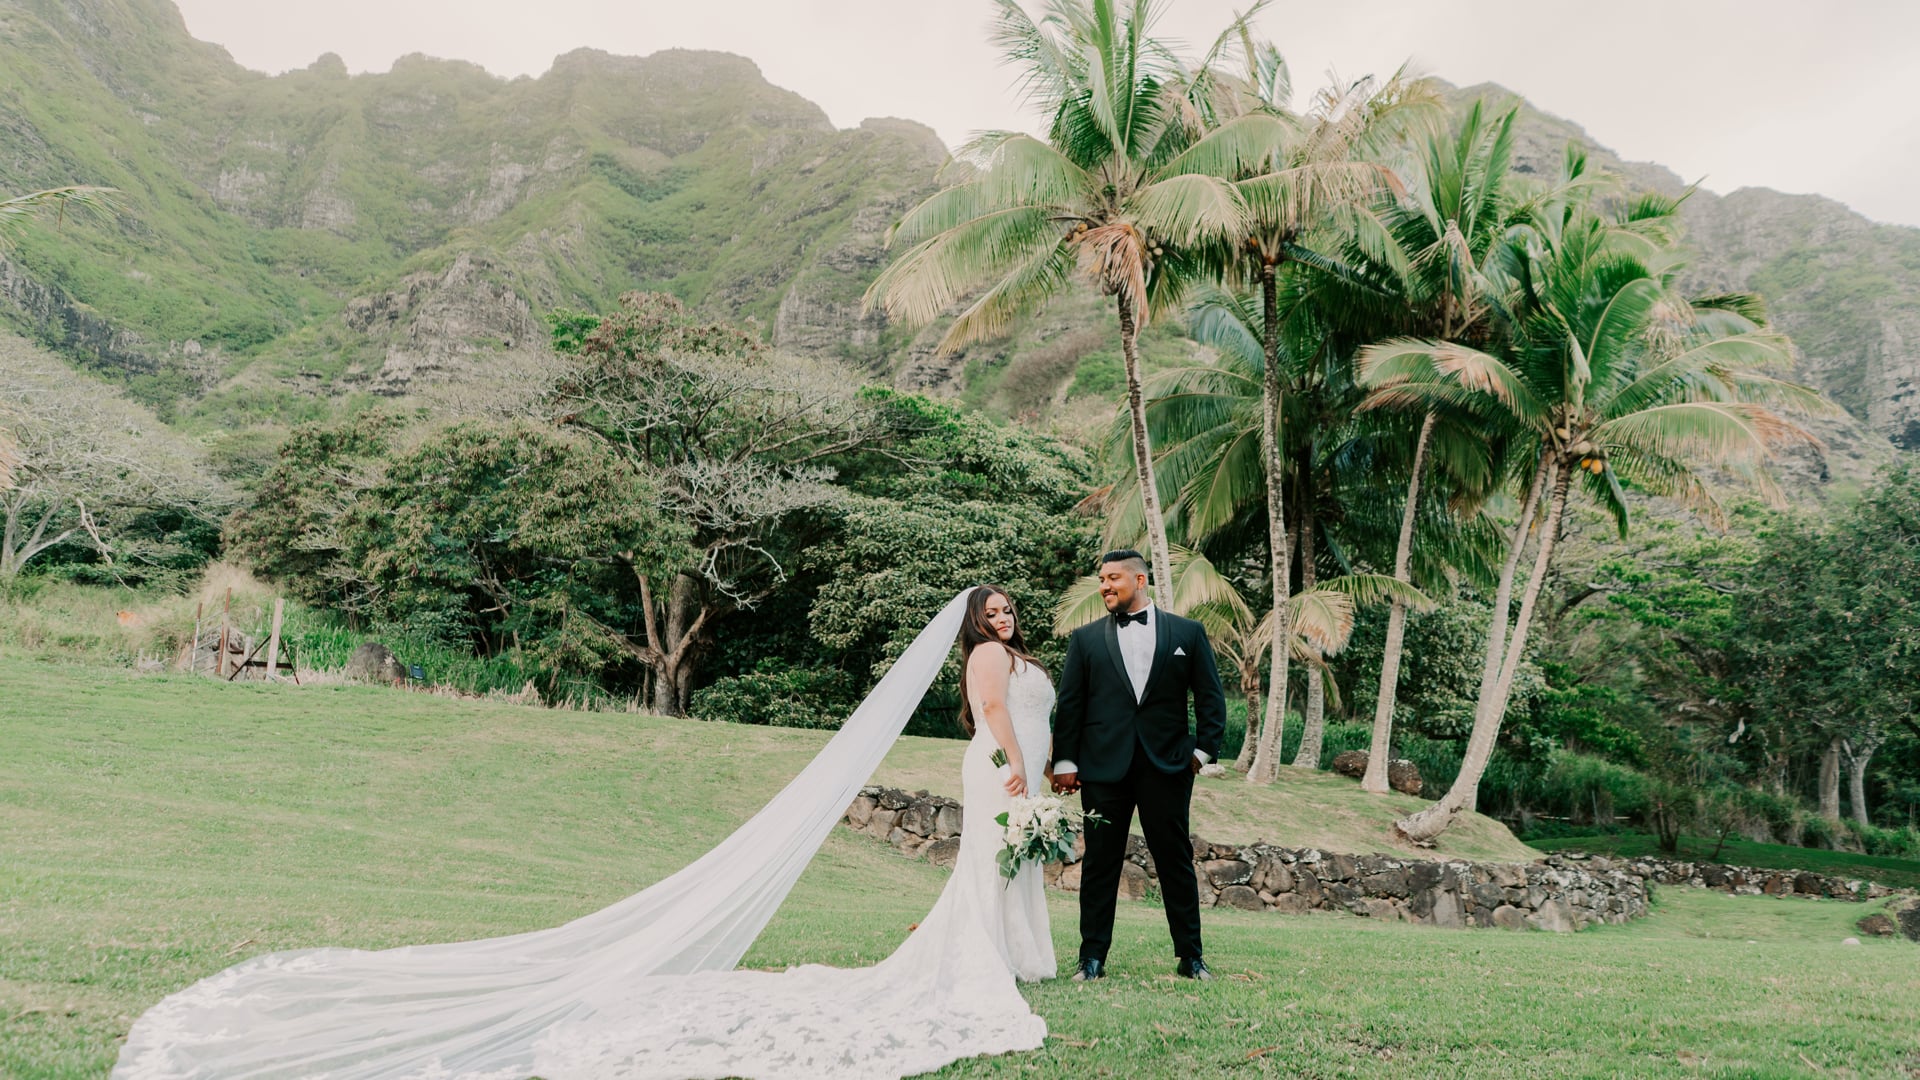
(1180, 650)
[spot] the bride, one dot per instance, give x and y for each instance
(648, 986)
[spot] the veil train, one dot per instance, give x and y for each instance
(478, 1010)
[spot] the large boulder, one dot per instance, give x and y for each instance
(1403, 776)
(1242, 897)
(1878, 924)
(1906, 914)
(375, 663)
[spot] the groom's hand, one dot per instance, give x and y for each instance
(1066, 783)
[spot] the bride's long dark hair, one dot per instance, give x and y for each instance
(976, 631)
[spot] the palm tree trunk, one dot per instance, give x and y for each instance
(1498, 633)
(1503, 594)
(1430, 822)
(1143, 459)
(1313, 731)
(1830, 782)
(1379, 750)
(1266, 758)
(1250, 685)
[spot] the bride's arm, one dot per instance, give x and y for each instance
(989, 669)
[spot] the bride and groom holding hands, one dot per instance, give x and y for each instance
(650, 985)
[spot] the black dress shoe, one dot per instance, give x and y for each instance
(1090, 969)
(1193, 968)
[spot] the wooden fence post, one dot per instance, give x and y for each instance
(193, 654)
(226, 626)
(273, 639)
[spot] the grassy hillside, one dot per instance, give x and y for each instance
(155, 830)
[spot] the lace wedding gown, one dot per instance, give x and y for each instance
(647, 987)
(946, 993)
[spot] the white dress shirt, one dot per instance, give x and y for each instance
(1137, 640)
(1136, 650)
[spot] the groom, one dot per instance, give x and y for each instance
(1120, 738)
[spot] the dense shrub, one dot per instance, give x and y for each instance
(779, 695)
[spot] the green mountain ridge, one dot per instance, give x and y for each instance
(287, 242)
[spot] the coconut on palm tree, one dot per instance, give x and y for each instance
(1615, 379)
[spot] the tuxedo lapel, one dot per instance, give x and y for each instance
(1110, 633)
(1162, 650)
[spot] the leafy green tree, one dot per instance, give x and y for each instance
(1614, 375)
(96, 484)
(518, 535)
(743, 444)
(949, 500)
(291, 530)
(1828, 634)
(1125, 185)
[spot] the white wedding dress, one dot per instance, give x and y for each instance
(648, 986)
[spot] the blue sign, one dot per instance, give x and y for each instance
(416, 671)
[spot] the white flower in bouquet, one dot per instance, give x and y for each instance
(1039, 828)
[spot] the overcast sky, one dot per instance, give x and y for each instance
(1795, 96)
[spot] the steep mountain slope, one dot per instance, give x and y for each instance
(368, 232)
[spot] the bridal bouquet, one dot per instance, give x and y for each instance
(1039, 828)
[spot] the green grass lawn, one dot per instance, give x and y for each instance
(154, 830)
(1900, 873)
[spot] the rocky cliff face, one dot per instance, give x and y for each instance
(384, 230)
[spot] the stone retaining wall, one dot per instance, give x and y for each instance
(1746, 880)
(1559, 894)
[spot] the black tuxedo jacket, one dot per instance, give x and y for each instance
(1096, 721)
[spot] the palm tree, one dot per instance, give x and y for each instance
(1610, 373)
(1127, 185)
(1427, 254)
(1311, 167)
(1330, 161)
(1207, 420)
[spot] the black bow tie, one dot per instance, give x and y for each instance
(1122, 618)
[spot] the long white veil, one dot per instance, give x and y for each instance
(475, 1009)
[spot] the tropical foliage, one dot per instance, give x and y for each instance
(1453, 434)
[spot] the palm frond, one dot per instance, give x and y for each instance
(1721, 432)
(1244, 146)
(1322, 619)
(15, 212)
(1042, 275)
(1374, 590)
(929, 277)
(1189, 209)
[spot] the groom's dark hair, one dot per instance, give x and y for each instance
(1126, 555)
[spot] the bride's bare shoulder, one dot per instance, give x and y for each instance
(989, 655)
